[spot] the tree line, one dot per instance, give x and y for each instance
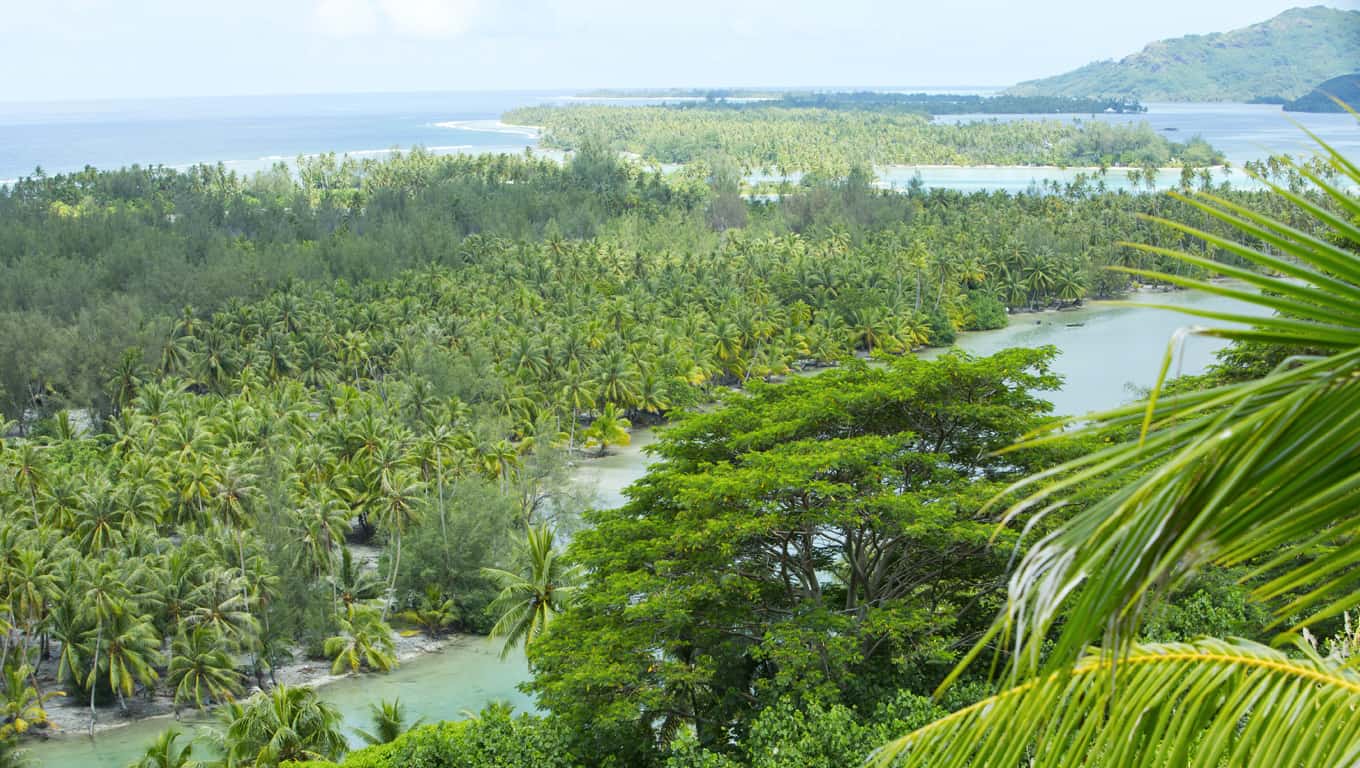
(675, 281)
(832, 141)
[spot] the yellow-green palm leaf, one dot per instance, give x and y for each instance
(1208, 704)
(1263, 473)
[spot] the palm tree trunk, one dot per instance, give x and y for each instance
(245, 593)
(392, 586)
(330, 573)
(94, 670)
(443, 523)
(4, 651)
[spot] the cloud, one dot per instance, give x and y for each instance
(431, 19)
(345, 18)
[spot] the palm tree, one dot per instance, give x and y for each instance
(22, 709)
(194, 485)
(221, 605)
(130, 653)
(435, 450)
(30, 474)
(1259, 473)
(318, 529)
(1039, 275)
(577, 393)
(354, 584)
(529, 600)
(389, 722)
(435, 614)
(235, 493)
(125, 378)
(498, 460)
(69, 626)
(727, 344)
(104, 596)
(31, 584)
(365, 642)
(609, 428)
(165, 753)
(616, 378)
(1070, 283)
(287, 723)
(201, 671)
(6, 627)
(398, 508)
(174, 355)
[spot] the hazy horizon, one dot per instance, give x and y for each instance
(565, 91)
(160, 49)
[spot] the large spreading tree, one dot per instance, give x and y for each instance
(820, 538)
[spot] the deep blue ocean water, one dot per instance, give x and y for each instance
(252, 133)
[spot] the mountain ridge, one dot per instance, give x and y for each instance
(1320, 99)
(1282, 58)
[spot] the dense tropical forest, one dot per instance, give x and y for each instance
(1278, 59)
(277, 417)
(832, 141)
(336, 275)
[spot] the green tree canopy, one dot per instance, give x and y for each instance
(821, 538)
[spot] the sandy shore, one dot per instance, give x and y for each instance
(71, 716)
(493, 126)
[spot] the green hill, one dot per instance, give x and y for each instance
(1346, 88)
(1283, 57)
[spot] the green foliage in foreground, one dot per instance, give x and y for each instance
(1281, 57)
(1259, 474)
(831, 142)
(172, 749)
(492, 739)
(785, 734)
(287, 724)
(389, 722)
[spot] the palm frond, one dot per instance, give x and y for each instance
(1211, 703)
(1264, 473)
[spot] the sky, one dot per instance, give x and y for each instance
(95, 49)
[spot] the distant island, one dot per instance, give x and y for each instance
(682, 93)
(1273, 61)
(883, 101)
(833, 141)
(1321, 99)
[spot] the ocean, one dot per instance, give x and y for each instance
(252, 133)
